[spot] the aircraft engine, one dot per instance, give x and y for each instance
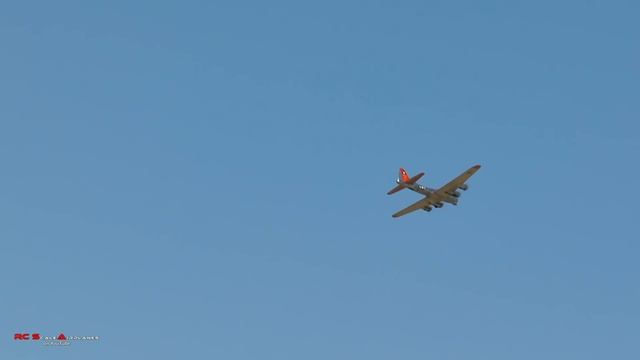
(455, 194)
(438, 205)
(463, 187)
(427, 208)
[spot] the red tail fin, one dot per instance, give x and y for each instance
(403, 176)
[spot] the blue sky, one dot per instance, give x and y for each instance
(205, 179)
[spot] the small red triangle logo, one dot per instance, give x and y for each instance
(61, 337)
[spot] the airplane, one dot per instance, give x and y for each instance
(432, 197)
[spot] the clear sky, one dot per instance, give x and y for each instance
(200, 179)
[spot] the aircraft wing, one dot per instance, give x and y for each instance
(453, 185)
(413, 207)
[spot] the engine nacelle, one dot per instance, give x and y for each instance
(463, 187)
(455, 194)
(438, 205)
(427, 208)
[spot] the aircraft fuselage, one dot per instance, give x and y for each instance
(429, 192)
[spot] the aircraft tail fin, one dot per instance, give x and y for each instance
(403, 175)
(404, 180)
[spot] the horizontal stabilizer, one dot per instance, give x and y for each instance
(396, 189)
(415, 178)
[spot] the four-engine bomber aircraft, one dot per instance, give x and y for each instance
(432, 197)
